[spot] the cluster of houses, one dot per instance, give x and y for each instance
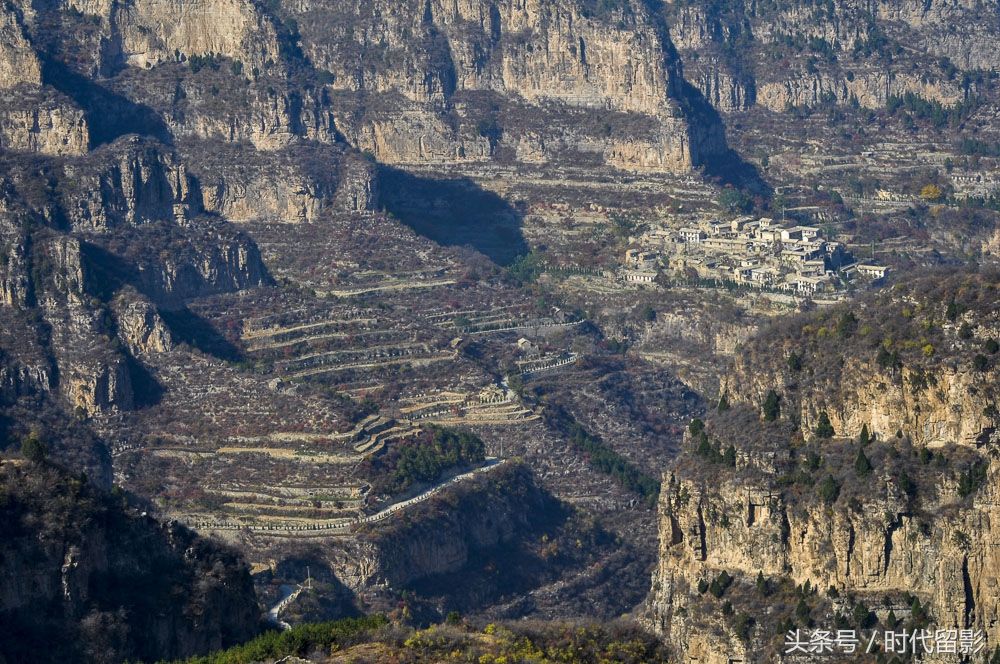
(755, 252)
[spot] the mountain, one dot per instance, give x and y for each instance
(412, 303)
(850, 483)
(88, 578)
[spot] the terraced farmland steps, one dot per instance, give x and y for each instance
(342, 526)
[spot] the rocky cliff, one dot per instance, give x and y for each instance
(844, 492)
(125, 217)
(457, 75)
(418, 83)
(914, 359)
(113, 584)
(804, 54)
(488, 540)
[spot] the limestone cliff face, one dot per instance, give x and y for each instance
(18, 62)
(914, 512)
(32, 119)
(449, 533)
(746, 524)
(870, 89)
(538, 50)
(155, 31)
(858, 52)
(39, 121)
(882, 548)
(912, 360)
(140, 326)
(14, 280)
(132, 183)
(102, 387)
(290, 186)
(417, 83)
(221, 101)
(951, 408)
(973, 47)
(434, 55)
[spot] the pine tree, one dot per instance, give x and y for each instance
(865, 437)
(772, 406)
(824, 428)
(862, 466)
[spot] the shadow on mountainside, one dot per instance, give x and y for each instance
(454, 212)
(722, 164)
(109, 115)
(107, 273)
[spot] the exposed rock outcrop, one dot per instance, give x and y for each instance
(140, 326)
(808, 500)
(74, 562)
(796, 55)
(41, 121)
(18, 61)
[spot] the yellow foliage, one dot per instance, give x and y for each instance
(931, 193)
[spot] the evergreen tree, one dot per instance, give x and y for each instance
(829, 490)
(772, 406)
(865, 437)
(824, 429)
(762, 585)
(862, 466)
(33, 449)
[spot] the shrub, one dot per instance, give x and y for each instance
(906, 484)
(795, 362)
(33, 449)
(763, 587)
(299, 640)
(735, 201)
(720, 584)
(847, 325)
(888, 360)
(743, 626)
(972, 479)
(863, 618)
(829, 490)
(802, 612)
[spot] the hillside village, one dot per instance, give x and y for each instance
(749, 252)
